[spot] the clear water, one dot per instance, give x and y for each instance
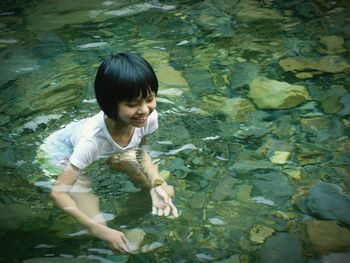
(49, 53)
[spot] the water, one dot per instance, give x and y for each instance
(242, 172)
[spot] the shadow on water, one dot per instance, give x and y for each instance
(254, 127)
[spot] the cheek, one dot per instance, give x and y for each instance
(154, 104)
(122, 111)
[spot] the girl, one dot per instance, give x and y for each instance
(125, 88)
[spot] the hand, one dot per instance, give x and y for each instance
(118, 241)
(161, 200)
(115, 239)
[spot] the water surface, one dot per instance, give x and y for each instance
(253, 183)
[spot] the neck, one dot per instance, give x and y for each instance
(116, 127)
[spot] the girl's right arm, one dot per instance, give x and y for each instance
(60, 193)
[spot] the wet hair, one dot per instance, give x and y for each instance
(123, 77)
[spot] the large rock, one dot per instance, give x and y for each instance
(327, 237)
(324, 127)
(135, 237)
(224, 189)
(272, 94)
(242, 74)
(53, 15)
(282, 247)
(336, 257)
(214, 20)
(236, 109)
(253, 11)
(168, 76)
(327, 201)
(303, 66)
(259, 233)
(332, 45)
(243, 165)
(273, 186)
(345, 101)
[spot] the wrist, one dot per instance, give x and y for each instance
(157, 182)
(98, 230)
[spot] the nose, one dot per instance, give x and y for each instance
(143, 109)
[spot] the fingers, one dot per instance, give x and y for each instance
(160, 212)
(157, 211)
(154, 210)
(173, 209)
(123, 248)
(168, 209)
(124, 239)
(122, 245)
(162, 203)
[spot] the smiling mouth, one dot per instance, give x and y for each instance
(141, 119)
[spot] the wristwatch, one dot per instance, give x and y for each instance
(158, 182)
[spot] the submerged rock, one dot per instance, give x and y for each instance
(327, 236)
(294, 173)
(168, 76)
(251, 165)
(324, 127)
(198, 200)
(336, 257)
(325, 64)
(243, 193)
(214, 20)
(280, 157)
(272, 94)
(259, 233)
(273, 186)
(331, 104)
(327, 201)
(253, 11)
(282, 247)
(308, 9)
(332, 45)
(135, 237)
(243, 74)
(272, 148)
(345, 101)
(236, 109)
(224, 189)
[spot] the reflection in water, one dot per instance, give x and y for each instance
(258, 168)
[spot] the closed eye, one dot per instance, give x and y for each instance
(150, 99)
(132, 104)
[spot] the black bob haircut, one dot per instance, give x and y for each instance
(123, 77)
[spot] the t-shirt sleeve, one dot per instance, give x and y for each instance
(152, 124)
(84, 153)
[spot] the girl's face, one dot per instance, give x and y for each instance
(136, 112)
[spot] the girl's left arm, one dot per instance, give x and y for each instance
(161, 192)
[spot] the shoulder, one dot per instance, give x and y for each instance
(93, 126)
(85, 152)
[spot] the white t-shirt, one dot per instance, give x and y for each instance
(92, 141)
